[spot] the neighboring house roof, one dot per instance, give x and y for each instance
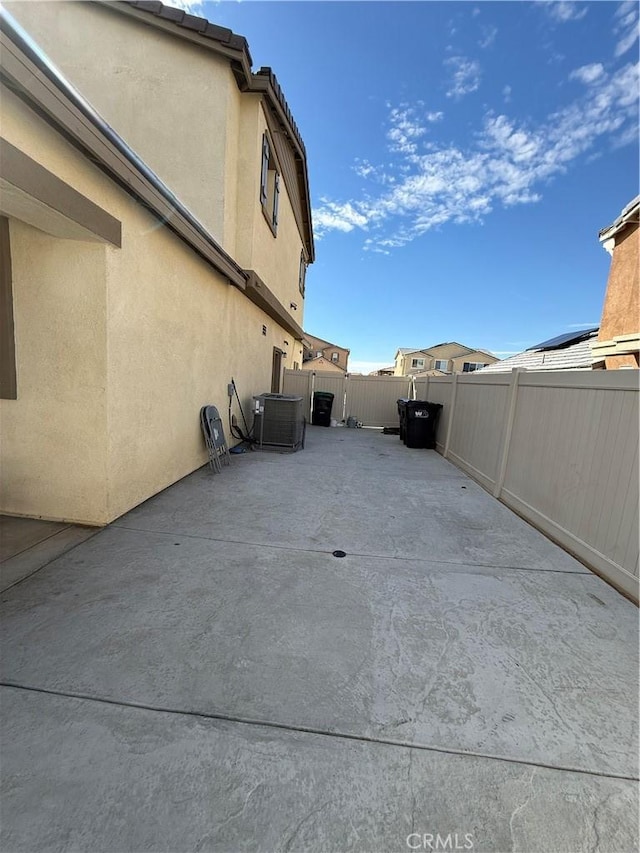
(630, 215)
(431, 351)
(235, 49)
(320, 343)
(462, 347)
(407, 350)
(570, 355)
(319, 361)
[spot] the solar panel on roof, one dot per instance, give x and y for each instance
(564, 340)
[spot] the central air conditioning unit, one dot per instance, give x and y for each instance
(278, 420)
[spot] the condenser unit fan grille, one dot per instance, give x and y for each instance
(278, 420)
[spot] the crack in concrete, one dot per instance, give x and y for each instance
(519, 808)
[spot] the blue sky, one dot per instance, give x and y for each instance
(462, 157)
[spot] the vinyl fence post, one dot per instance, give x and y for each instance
(312, 385)
(344, 397)
(452, 411)
(506, 444)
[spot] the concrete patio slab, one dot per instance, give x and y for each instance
(168, 688)
(18, 534)
(355, 490)
(532, 666)
(82, 775)
(28, 544)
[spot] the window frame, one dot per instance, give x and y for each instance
(270, 180)
(415, 365)
(444, 361)
(472, 366)
(302, 274)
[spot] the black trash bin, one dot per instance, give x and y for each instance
(402, 414)
(321, 412)
(421, 423)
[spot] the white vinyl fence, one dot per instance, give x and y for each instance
(558, 447)
(372, 400)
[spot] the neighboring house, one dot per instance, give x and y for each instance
(153, 244)
(322, 364)
(618, 343)
(409, 361)
(444, 358)
(383, 371)
(570, 351)
(316, 349)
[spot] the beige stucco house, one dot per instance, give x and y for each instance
(317, 352)
(445, 358)
(322, 364)
(155, 229)
(618, 343)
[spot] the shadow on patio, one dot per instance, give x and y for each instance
(205, 675)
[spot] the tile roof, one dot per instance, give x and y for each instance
(194, 23)
(574, 357)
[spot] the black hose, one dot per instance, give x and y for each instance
(235, 430)
(235, 390)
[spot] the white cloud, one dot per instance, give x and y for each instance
(433, 117)
(505, 163)
(364, 169)
(588, 73)
(565, 10)
(506, 94)
(406, 128)
(488, 37)
(465, 76)
(337, 217)
(626, 26)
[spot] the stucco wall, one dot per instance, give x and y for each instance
(120, 349)
(153, 88)
(275, 258)
(621, 311)
(177, 335)
(477, 357)
(53, 444)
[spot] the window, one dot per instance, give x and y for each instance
(269, 185)
(442, 365)
(471, 366)
(8, 386)
(319, 353)
(334, 356)
(302, 273)
(417, 362)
